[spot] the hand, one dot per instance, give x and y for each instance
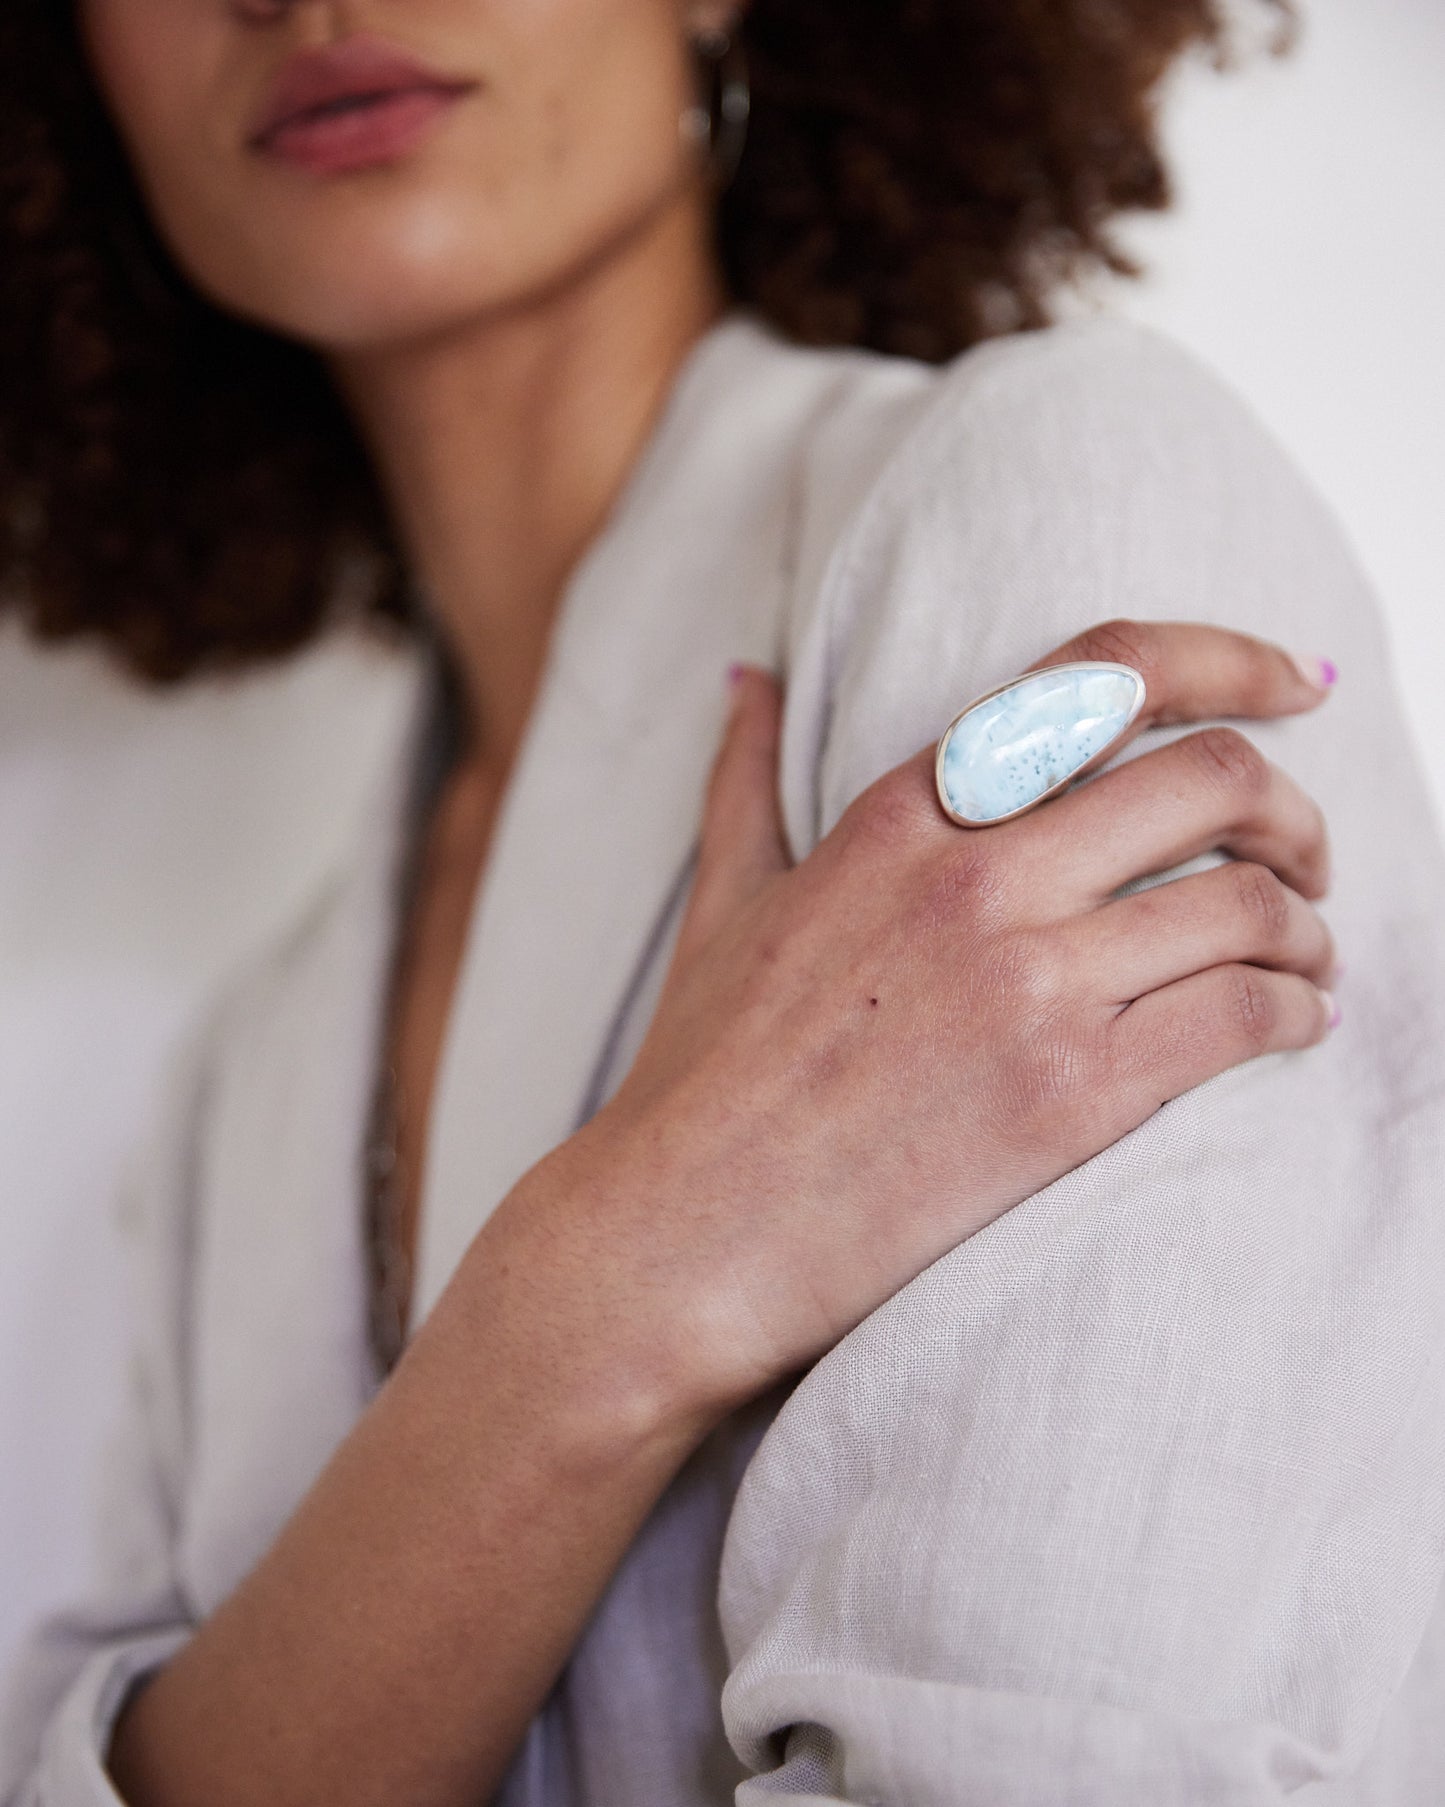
(855, 1063)
(859, 1061)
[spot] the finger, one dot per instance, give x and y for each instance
(1238, 913)
(742, 841)
(1193, 672)
(1177, 1037)
(1210, 790)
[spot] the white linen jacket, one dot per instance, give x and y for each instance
(1138, 1496)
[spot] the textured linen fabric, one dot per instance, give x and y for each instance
(1138, 1496)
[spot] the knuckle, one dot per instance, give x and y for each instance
(1043, 1049)
(1123, 642)
(1251, 1006)
(1032, 976)
(1261, 897)
(966, 879)
(1317, 839)
(888, 813)
(1229, 760)
(1052, 1083)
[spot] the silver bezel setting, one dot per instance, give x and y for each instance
(1090, 764)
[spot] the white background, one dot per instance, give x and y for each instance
(1306, 263)
(145, 843)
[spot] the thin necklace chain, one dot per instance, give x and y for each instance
(389, 1266)
(389, 1269)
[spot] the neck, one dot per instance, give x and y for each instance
(502, 445)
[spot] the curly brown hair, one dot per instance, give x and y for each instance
(919, 175)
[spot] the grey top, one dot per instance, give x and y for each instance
(1138, 1496)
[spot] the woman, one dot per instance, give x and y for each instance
(677, 1162)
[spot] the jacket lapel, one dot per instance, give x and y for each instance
(598, 826)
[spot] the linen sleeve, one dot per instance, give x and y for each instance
(1137, 1496)
(75, 1671)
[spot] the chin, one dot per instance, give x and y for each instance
(369, 275)
(365, 269)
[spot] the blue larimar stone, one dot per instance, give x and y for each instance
(1005, 752)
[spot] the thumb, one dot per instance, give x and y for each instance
(742, 843)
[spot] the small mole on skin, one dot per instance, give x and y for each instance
(872, 1000)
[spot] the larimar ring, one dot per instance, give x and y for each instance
(1023, 742)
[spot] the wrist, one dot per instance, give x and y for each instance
(563, 1283)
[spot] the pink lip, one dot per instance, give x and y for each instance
(354, 105)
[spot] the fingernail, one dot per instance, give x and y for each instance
(1334, 1010)
(1323, 674)
(735, 672)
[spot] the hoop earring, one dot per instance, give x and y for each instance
(721, 125)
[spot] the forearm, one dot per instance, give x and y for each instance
(398, 1636)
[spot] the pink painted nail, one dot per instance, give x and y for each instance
(1324, 674)
(735, 672)
(1335, 1017)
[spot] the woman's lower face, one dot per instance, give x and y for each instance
(356, 177)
